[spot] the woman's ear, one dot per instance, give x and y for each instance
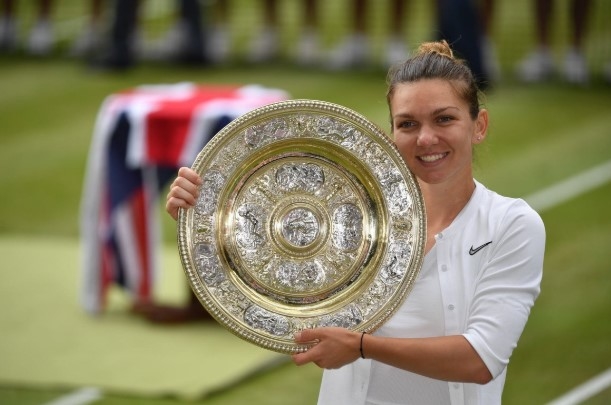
(481, 127)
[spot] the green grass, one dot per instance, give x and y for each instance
(539, 135)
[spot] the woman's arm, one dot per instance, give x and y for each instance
(448, 358)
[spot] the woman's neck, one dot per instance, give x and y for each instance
(443, 203)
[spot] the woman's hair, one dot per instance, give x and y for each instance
(435, 60)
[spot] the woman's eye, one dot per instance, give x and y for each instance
(406, 124)
(444, 118)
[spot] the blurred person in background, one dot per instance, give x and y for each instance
(265, 45)
(355, 50)
(450, 341)
(539, 65)
(122, 37)
(90, 38)
(219, 35)
(41, 39)
(489, 55)
(460, 23)
(188, 45)
(396, 49)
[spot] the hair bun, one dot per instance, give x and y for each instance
(441, 47)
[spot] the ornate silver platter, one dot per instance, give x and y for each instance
(307, 217)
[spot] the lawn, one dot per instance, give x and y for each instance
(539, 135)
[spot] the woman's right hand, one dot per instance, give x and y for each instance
(183, 191)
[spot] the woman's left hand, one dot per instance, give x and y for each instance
(333, 347)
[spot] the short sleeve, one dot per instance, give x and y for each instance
(507, 287)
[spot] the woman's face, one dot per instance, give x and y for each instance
(434, 132)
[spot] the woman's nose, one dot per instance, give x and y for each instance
(426, 136)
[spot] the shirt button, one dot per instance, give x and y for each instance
(444, 267)
(439, 235)
(451, 307)
(456, 386)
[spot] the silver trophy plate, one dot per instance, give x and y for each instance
(307, 217)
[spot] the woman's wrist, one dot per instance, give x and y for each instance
(361, 350)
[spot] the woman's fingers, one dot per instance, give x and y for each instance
(331, 347)
(183, 191)
(189, 174)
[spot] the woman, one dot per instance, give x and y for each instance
(450, 342)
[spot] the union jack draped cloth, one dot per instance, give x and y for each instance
(141, 137)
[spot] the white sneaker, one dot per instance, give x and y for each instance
(307, 49)
(536, 67)
(8, 34)
(218, 44)
(354, 51)
(264, 47)
(88, 41)
(41, 39)
(172, 43)
(396, 52)
(491, 59)
(575, 67)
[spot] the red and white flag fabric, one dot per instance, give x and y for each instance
(141, 137)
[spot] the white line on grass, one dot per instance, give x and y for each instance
(586, 390)
(570, 188)
(82, 396)
(549, 198)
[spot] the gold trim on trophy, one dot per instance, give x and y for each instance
(307, 217)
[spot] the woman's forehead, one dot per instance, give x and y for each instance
(426, 93)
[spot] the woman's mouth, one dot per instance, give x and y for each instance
(432, 158)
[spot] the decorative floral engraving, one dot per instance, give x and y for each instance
(347, 227)
(395, 191)
(269, 322)
(212, 183)
(259, 135)
(234, 301)
(373, 298)
(349, 317)
(395, 267)
(306, 177)
(300, 124)
(325, 126)
(253, 136)
(208, 265)
(300, 277)
(277, 129)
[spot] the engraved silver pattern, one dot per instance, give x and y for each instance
(307, 216)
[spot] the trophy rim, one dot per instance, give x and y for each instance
(340, 297)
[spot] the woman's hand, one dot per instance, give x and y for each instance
(334, 347)
(183, 191)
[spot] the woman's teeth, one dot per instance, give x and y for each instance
(432, 158)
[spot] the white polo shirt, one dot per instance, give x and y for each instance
(480, 280)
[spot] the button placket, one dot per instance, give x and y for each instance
(446, 279)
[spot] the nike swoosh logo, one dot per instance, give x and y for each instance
(473, 251)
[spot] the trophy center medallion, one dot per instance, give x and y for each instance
(299, 227)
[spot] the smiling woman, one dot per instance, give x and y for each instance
(451, 340)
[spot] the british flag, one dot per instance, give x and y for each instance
(141, 137)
